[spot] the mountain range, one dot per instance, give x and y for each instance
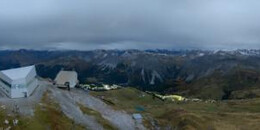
(214, 74)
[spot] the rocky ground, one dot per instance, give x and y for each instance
(68, 102)
(25, 105)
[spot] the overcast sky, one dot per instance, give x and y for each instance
(129, 24)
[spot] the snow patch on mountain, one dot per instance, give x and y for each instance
(105, 55)
(155, 75)
(201, 54)
(143, 75)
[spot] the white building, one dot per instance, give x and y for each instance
(67, 77)
(138, 117)
(19, 82)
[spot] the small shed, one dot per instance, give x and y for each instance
(138, 117)
(66, 78)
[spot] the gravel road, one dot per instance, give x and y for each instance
(71, 109)
(68, 99)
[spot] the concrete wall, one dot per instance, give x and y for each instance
(31, 87)
(19, 81)
(18, 92)
(4, 88)
(73, 83)
(4, 77)
(31, 75)
(24, 87)
(32, 82)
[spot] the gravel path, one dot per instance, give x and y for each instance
(71, 109)
(68, 100)
(119, 119)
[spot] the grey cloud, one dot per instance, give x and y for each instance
(126, 24)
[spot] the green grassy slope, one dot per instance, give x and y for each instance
(233, 114)
(241, 83)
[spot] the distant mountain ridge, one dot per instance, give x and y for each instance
(168, 71)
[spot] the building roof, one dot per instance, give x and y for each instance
(18, 73)
(65, 76)
(137, 116)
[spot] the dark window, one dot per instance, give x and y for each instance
(6, 83)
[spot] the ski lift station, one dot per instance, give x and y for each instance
(18, 82)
